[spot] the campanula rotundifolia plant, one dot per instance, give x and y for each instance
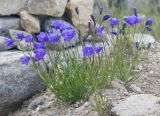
(74, 75)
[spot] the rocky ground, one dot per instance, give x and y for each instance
(141, 97)
(148, 75)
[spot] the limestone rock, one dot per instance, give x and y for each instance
(37, 101)
(135, 88)
(7, 23)
(85, 10)
(9, 7)
(119, 85)
(29, 23)
(138, 105)
(17, 82)
(47, 7)
(83, 111)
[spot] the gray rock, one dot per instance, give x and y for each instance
(9, 7)
(17, 82)
(37, 101)
(47, 7)
(119, 85)
(29, 23)
(138, 105)
(21, 45)
(7, 23)
(135, 88)
(84, 110)
(3, 47)
(62, 43)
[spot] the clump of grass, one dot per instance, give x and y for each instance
(101, 104)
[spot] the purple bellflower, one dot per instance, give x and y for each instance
(54, 38)
(19, 36)
(39, 54)
(25, 59)
(68, 34)
(8, 41)
(56, 24)
(38, 46)
(29, 38)
(100, 30)
(42, 37)
(98, 49)
(132, 20)
(106, 17)
(88, 50)
(149, 22)
(113, 22)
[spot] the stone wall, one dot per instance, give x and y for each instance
(26, 15)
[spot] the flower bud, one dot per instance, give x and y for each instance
(100, 10)
(135, 12)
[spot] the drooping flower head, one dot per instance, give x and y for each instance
(68, 34)
(25, 59)
(8, 41)
(42, 37)
(98, 49)
(38, 46)
(19, 36)
(29, 38)
(39, 54)
(100, 30)
(149, 29)
(106, 17)
(112, 32)
(149, 22)
(88, 50)
(113, 22)
(54, 38)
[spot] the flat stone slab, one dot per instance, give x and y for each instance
(138, 105)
